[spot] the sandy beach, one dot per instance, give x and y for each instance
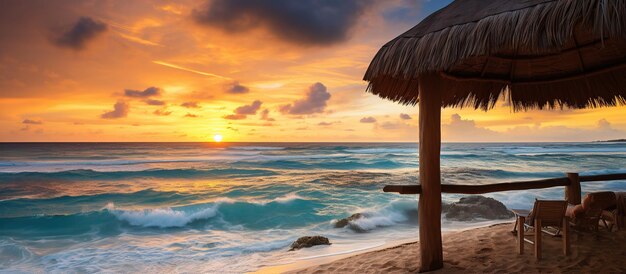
(493, 249)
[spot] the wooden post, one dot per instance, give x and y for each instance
(572, 192)
(429, 210)
(520, 233)
(565, 232)
(538, 239)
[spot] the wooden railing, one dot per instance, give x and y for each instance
(604, 177)
(571, 184)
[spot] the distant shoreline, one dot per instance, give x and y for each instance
(613, 141)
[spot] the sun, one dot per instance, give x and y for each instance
(217, 138)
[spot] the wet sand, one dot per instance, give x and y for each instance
(489, 249)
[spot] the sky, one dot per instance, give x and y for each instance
(251, 71)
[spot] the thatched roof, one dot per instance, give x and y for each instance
(540, 53)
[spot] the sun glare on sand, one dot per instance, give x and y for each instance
(217, 138)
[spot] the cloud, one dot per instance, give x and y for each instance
(188, 69)
(405, 116)
(32, 122)
(396, 128)
(153, 102)
(235, 117)
(149, 92)
(162, 112)
(313, 102)
(120, 110)
(190, 105)
(308, 22)
(265, 115)
(84, 29)
(191, 115)
(326, 123)
(249, 109)
(236, 88)
(604, 124)
(466, 130)
(407, 11)
(242, 112)
(392, 125)
(368, 120)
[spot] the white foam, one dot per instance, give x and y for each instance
(267, 246)
(354, 250)
(168, 217)
(11, 253)
(288, 198)
(392, 214)
(604, 171)
(161, 217)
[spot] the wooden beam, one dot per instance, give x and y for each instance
(538, 239)
(403, 189)
(522, 185)
(572, 191)
(604, 177)
(429, 208)
(520, 233)
(565, 235)
(480, 189)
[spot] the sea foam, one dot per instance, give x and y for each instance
(161, 217)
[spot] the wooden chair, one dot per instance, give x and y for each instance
(545, 215)
(615, 215)
(587, 215)
(610, 219)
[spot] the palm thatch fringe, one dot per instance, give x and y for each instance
(542, 29)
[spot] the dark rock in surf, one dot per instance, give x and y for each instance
(349, 222)
(346, 221)
(476, 207)
(309, 241)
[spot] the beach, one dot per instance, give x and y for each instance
(310, 136)
(237, 207)
(493, 249)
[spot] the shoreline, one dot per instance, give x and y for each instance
(325, 259)
(489, 248)
(307, 262)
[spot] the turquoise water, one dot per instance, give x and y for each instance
(195, 207)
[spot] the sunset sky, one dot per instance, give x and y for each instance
(248, 70)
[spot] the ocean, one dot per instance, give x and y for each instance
(236, 207)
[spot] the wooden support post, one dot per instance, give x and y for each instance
(429, 210)
(572, 192)
(565, 232)
(538, 239)
(520, 233)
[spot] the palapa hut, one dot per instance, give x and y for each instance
(534, 53)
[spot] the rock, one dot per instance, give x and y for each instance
(346, 221)
(476, 207)
(349, 222)
(309, 241)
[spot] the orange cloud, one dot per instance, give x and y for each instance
(120, 110)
